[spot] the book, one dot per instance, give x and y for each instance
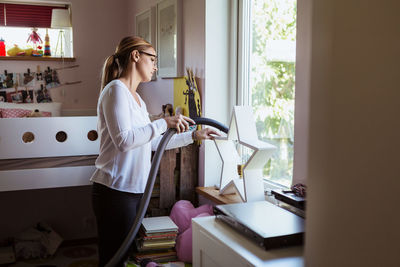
(160, 237)
(158, 225)
(156, 246)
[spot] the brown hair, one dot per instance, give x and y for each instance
(117, 63)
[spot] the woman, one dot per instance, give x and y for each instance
(126, 139)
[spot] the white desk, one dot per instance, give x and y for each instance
(216, 244)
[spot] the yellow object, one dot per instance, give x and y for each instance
(12, 52)
(187, 99)
(183, 97)
(28, 51)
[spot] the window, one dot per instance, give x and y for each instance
(267, 53)
(18, 20)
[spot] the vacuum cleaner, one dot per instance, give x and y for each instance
(144, 203)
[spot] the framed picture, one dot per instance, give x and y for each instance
(143, 25)
(169, 38)
(3, 97)
(17, 97)
(145, 28)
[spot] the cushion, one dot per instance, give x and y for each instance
(19, 113)
(181, 214)
(14, 112)
(183, 211)
(183, 245)
(54, 107)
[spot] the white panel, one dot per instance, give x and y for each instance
(246, 126)
(235, 186)
(45, 143)
(217, 77)
(253, 186)
(45, 178)
(230, 158)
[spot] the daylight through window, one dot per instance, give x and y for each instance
(272, 81)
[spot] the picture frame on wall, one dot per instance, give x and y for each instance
(145, 27)
(169, 38)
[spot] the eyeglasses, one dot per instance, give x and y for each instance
(150, 55)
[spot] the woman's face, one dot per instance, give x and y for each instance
(147, 63)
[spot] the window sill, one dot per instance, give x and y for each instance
(268, 186)
(31, 58)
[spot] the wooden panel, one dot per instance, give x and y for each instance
(188, 173)
(167, 179)
(212, 194)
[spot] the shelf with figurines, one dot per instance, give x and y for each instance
(31, 87)
(42, 58)
(35, 53)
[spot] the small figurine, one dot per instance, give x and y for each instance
(34, 37)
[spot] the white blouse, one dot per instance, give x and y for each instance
(127, 138)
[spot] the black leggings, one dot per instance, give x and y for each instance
(115, 213)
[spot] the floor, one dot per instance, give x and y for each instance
(77, 256)
(69, 256)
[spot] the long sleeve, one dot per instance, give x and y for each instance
(126, 139)
(118, 118)
(177, 140)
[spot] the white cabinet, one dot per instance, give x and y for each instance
(218, 245)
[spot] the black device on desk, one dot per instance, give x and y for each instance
(289, 197)
(266, 224)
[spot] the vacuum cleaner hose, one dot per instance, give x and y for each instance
(144, 203)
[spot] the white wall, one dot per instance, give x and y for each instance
(302, 106)
(352, 213)
(218, 89)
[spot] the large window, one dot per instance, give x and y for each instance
(271, 79)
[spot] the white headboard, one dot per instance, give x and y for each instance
(45, 143)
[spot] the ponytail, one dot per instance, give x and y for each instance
(117, 63)
(111, 71)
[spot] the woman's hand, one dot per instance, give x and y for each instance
(205, 133)
(179, 122)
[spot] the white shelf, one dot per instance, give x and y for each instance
(216, 244)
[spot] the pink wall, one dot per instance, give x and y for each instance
(159, 92)
(97, 27)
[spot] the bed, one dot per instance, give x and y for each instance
(46, 152)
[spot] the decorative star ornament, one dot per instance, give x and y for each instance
(242, 129)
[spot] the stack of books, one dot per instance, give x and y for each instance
(156, 239)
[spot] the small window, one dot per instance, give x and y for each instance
(17, 22)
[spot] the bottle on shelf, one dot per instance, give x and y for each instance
(47, 51)
(2, 48)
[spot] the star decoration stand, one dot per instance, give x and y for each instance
(242, 128)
